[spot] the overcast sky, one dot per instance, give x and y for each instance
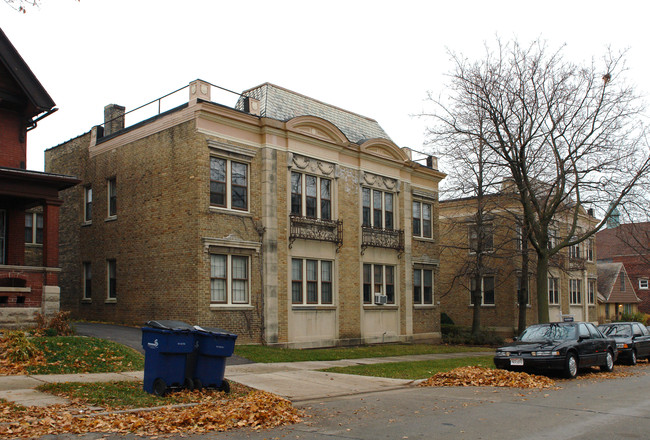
(375, 58)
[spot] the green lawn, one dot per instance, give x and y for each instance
(261, 353)
(77, 354)
(414, 370)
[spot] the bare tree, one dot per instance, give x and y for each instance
(569, 137)
(22, 5)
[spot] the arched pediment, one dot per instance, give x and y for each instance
(317, 127)
(383, 147)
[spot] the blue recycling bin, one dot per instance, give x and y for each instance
(169, 348)
(213, 347)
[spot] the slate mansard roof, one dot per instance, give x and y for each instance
(283, 104)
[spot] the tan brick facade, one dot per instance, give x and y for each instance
(167, 237)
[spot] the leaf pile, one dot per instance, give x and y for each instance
(18, 353)
(487, 377)
(256, 410)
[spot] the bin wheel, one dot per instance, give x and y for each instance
(159, 387)
(189, 384)
(198, 385)
(225, 386)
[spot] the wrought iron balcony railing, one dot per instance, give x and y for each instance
(384, 238)
(315, 229)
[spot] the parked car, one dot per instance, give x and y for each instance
(632, 340)
(558, 346)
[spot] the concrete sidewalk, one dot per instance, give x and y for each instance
(297, 381)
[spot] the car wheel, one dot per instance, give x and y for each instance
(633, 358)
(609, 362)
(571, 366)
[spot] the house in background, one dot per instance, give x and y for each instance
(571, 274)
(283, 219)
(616, 295)
(29, 200)
(629, 244)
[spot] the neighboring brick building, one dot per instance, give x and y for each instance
(615, 293)
(629, 244)
(29, 200)
(572, 272)
(284, 219)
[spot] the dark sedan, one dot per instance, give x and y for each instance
(632, 340)
(558, 346)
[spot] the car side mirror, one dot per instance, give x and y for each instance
(515, 339)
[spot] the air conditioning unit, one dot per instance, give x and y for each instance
(381, 299)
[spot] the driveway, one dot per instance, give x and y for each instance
(129, 336)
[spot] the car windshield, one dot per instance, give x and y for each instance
(618, 330)
(552, 332)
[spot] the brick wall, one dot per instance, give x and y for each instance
(14, 152)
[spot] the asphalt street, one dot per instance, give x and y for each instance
(582, 409)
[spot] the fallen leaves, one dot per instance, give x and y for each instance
(256, 410)
(487, 377)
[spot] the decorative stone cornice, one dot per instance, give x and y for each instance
(379, 182)
(225, 149)
(312, 166)
(230, 241)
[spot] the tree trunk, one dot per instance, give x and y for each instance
(476, 300)
(523, 290)
(542, 288)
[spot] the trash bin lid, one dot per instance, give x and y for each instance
(214, 330)
(169, 325)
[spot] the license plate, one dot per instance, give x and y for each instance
(517, 362)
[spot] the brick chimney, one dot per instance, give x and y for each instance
(113, 119)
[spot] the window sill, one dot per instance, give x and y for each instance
(110, 301)
(377, 307)
(312, 307)
(34, 245)
(111, 218)
(231, 307)
(554, 305)
(424, 239)
(425, 306)
(84, 224)
(86, 301)
(489, 306)
(223, 210)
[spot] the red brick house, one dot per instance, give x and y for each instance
(629, 244)
(29, 200)
(616, 296)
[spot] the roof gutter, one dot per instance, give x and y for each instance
(34, 121)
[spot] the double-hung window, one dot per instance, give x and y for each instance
(88, 278)
(482, 237)
(422, 219)
(574, 251)
(377, 209)
(229, 279)
(311, 196)
(378, 280)
(88, 204)
(111, 279)
(228, 184)
(486, 290)
(590, 249)
(311, 281)
(112, 197)
(553, 290)
(33, 228)
(591, 291)
(575, 291)
(422, 286)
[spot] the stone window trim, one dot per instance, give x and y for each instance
(111, 198)
(381, 183)
(230, 151)
(228, 185)
(311, 190)
(309, 165)
(553, 287)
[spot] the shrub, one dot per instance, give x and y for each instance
(638, 317)
(445, 319)
(456, 334)
(57, 325)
